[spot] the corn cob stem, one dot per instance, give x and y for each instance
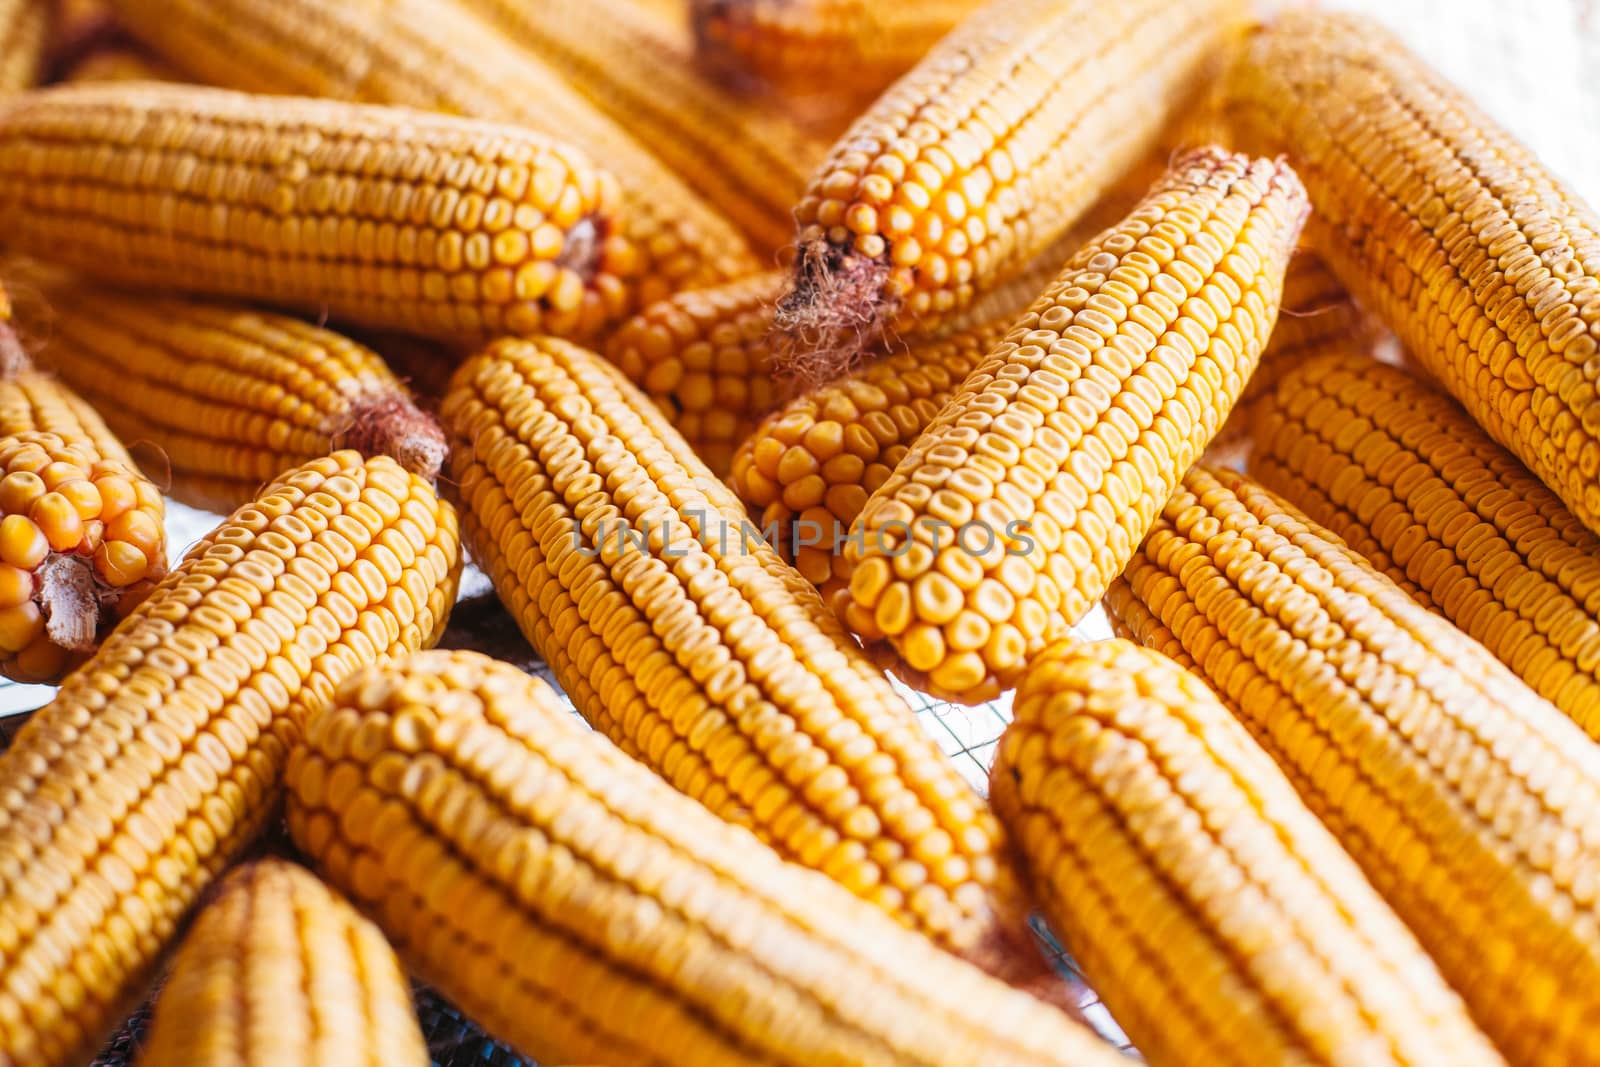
(1219, 920)
(638, 67)
(681, 636)
(437, 55)
(444, 226)
(1483, 262)
(1006, 520)
(1472, 804)
(843, 50)
(280, 971)
(160, 758)
(81, 537)
(231, 397)
(569, 899)
(981, 157)
(1384, 461)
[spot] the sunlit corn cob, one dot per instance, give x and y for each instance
(160, 758)
(280, 971)
(685, 639)
(1472, 804)
(565, 897)
(845, 49)
(436, 55)
(24, 37)
(1217, 918)
(228, 396)
(1394, 467)
(746, 157)
(81, 537)
(981, 157)
(1005, 521)
(384, 216)
(1483, 262)
(703, 356)
(809, 468)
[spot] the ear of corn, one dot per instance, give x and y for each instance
(746, 157)
(1472, 804)
(682, 637)
(1217, 918)
(1406, 477)
(436, 55)
(1007, 518)
(980, 158)
(118, 62)
(280, 971)
(809, 468)
(703, 357)
(846, 50)
(81, 536)
(24, 37)
(1483, 262)
(571, 901)
(160, 758)
(228, 396)
(439, 225)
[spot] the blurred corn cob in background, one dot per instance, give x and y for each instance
(437, 55)
(384, 216)
(24, 38)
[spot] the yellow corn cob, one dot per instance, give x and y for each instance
(230, 397)
(279, 971)
(637, 66)
(436, 55)
(440, 225)
(1472, 804)
(702, 356)
(118, 62)
(849, 50)
(702, 653)
(160, 758)
(24, 37)
(81, 537)
(1219, 920)
(809, 468)
(1483, 262)
(1382, 460)
(1005, 521)
(568, 899)
(981, 157)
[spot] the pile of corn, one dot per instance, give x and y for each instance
(968, 303)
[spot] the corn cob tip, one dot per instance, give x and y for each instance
(836, 309)
(389, 424)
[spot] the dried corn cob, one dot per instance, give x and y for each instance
(231, 397)
(436, 55)
(159, 759)
(981, 157)
(1384, 461)
(1472, 804)
(638, 67)
(1220, 921)
(849, 50)
(681, 636)
(81, 538)
(440, 225)
(809, 468)
(279, 971)
(24, 37)
(702, 356)
(1482, 261)
(1004, 522)
(432, 784)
